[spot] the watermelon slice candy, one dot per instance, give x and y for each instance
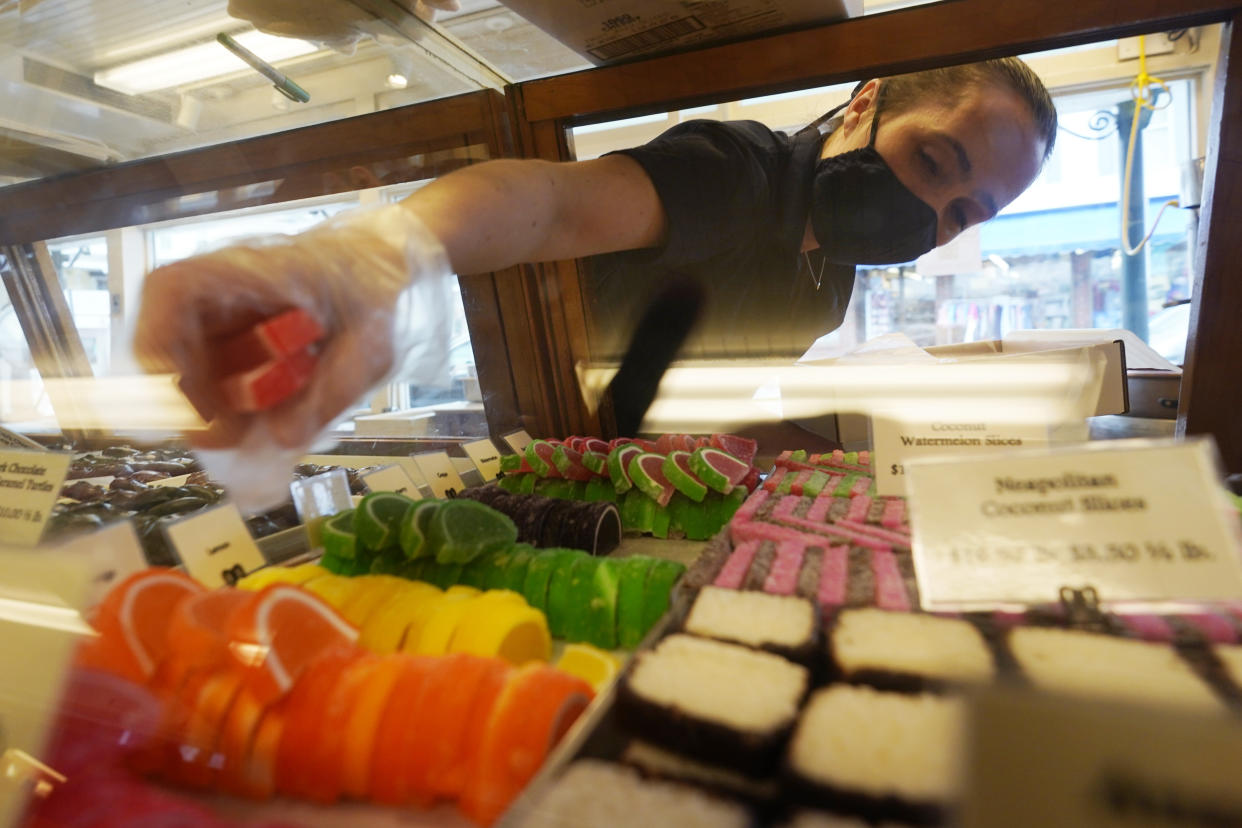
(568, 462)
(540, 455)
(676, 468)
(743, 448)
(617, 442)
(648, 446)
(646, 470)
(596, 462)
(718, 470)
(597, 445)
(618, 466)
(752, 479)
(666, 443)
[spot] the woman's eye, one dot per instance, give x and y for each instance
(929, 163)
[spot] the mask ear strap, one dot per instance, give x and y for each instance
(875, 118)
(825, 118)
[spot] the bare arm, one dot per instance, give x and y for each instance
(500, 213)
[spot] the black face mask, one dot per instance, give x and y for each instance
(862, 214)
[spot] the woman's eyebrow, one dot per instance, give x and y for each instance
(963, 162)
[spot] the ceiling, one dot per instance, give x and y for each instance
(55, 117)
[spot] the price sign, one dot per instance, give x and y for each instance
(115, 554)
(29, 485)
(321, 495)
(898, 441)
(391, 479)
(1140, 521)
(215, 546)
(366, 461)
(441, 475)
(11, 439)
(1034, 761)
(485, 456)
(518, 440)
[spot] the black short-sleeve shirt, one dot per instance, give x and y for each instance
(736, 195)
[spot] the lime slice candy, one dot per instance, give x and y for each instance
(378, 518)
(461, 530)
(414, 528)
(337, 535)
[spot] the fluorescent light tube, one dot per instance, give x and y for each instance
(197, 63)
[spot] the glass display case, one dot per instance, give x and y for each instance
(484, 601)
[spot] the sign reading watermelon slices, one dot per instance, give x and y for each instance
(29, 485)
(115, 554)
(485, 456)
(215, 546)
(441, 475)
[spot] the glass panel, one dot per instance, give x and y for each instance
(1053, 258)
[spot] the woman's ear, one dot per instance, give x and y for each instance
(861, 108)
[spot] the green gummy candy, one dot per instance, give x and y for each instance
(786, 484)
(461, 530)
(443, 575)
(557, 487)
(540, 466)
(661, 521)
(850, 457)
(601, 608)
(847, 483)
(420, 569)
(539, 573)
(414, 529)
(515, 569)
(599, 488)
(798, 455)
(512, 483)
(690, 517)
(637, 511)
(685, 483)
(561, 593)
(660, 579)
(388, 562)
(618, 460)
(338, 536)
(815, 483)
(595, 462)
(631, 586)
(336, 564)
(477, 572)
(378, 518)
(577, 624)
(496, 563)
(510, 463)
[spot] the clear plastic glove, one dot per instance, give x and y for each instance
(376, 280)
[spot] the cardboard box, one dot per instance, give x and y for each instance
(608, 31)
(854, 430)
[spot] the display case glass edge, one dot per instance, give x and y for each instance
(1211, 394)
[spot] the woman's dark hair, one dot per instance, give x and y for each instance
(948, 83)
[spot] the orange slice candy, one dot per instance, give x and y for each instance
(326, 771)
(536, 707)
(361, 730)
(392, 739)
(280, 632)
(451, 758)
(304, 723)
(196, 634)
(134, 615)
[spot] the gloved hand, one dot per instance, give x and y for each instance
(376, 280)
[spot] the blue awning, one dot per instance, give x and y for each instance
(1090, 227)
